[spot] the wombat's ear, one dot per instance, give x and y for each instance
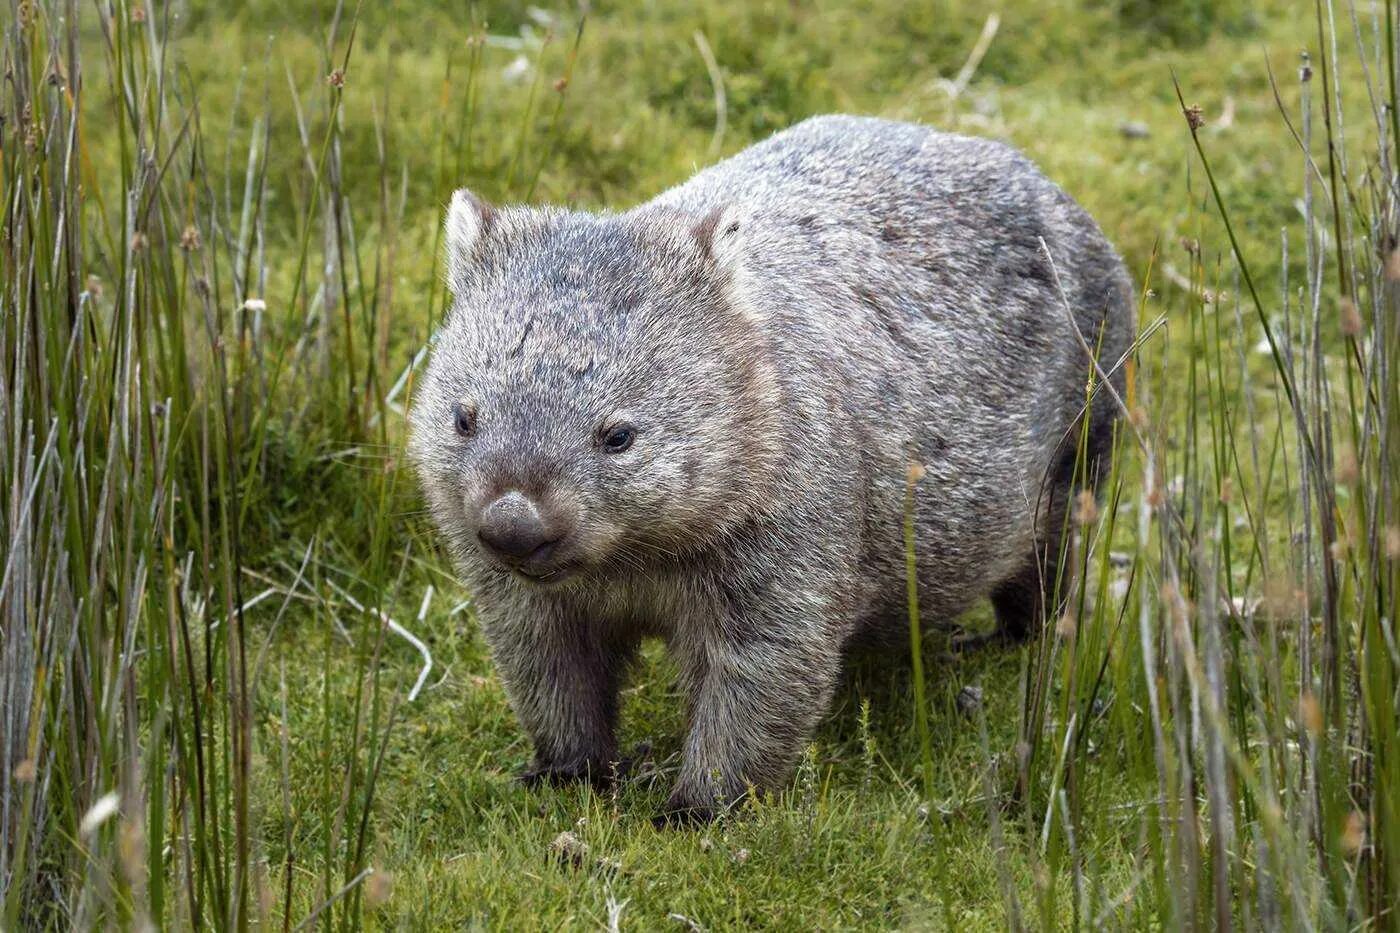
(717, 234)
(469, 221)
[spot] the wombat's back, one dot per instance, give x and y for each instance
(902, 274)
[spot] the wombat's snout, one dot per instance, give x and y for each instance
(518, 532)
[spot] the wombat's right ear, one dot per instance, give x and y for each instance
(469, 221)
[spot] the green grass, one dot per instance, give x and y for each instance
(217, 265)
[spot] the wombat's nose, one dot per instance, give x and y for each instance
(512, 528)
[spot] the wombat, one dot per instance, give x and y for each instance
(695, 420)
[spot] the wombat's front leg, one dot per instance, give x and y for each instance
(562, 679)
(758, 686)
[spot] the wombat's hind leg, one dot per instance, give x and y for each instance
(1021, 600)
(1019, 605)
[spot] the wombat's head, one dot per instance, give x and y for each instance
(594, 401)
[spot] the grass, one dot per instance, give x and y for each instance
(219, 265)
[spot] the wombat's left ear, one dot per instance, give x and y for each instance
(469, 221)
(718, 233)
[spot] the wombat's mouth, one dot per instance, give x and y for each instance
(548, 577)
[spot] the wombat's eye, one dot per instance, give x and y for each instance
(618, 438)
(464, 419)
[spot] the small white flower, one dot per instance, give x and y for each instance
(100, 813)
(517, 69)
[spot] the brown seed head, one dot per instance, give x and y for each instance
(1086, 508)
(1194, 118)
(561, 84)
(189, 239)
(1392, 542)
(916, 472)
(1353, 833)
(1179, 607)
(1310, 713)
(336, 78)
(131, 849)
(138, 14)
(1345, 468)
(1155, 499)
(25, 771)
(1350, 317)
(139, 242)
(378, 887)
(1066, 626)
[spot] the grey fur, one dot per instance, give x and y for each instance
(787, 331)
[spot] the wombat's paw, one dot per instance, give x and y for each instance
(558, 774)
(686, 809)
(965, 641)
(683, 816)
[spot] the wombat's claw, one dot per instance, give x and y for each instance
(974, 641)
(534, 776)
(683, 817)
(540, 773)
